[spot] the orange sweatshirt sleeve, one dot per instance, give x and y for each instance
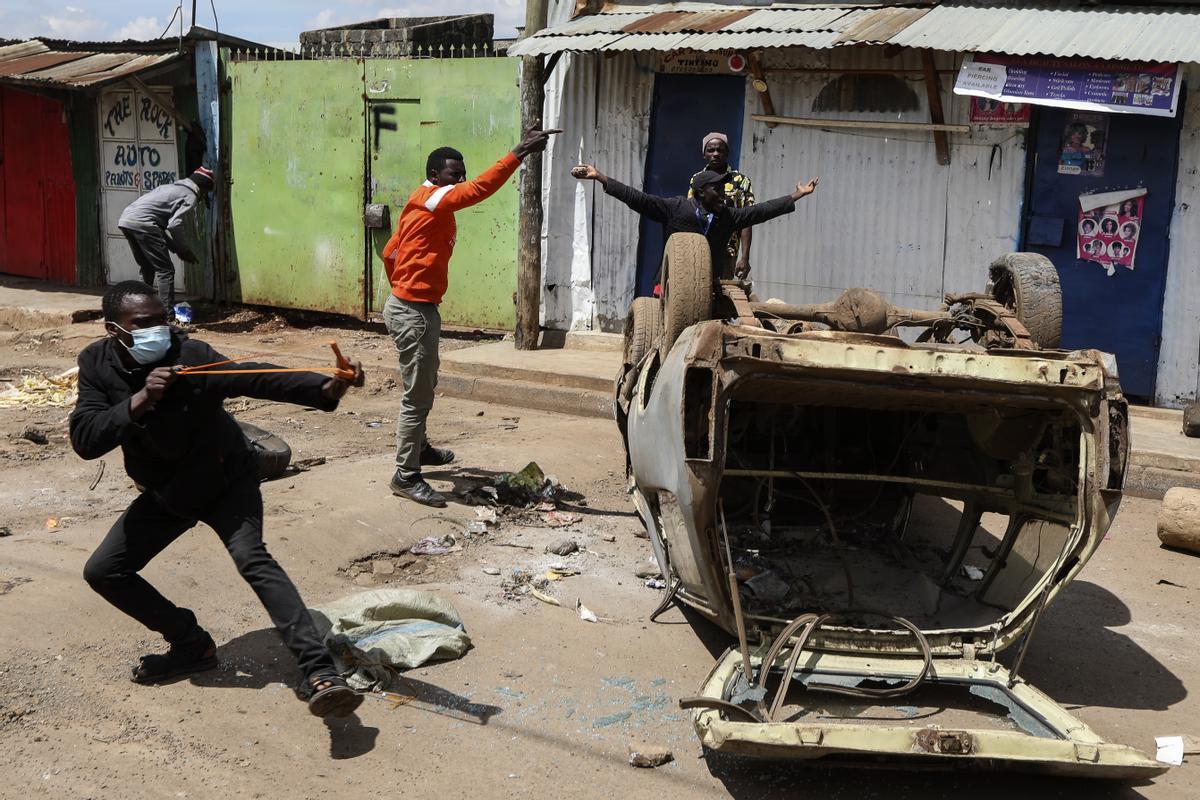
(468, 193)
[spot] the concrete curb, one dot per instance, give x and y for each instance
(517, 374)
(523, 394)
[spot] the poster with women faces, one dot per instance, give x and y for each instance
(1108, 235)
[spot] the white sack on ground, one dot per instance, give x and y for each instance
(374, 634)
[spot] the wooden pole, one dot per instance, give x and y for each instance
(933, 88)
(529, 224)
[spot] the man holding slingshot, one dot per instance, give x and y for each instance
(158, 396)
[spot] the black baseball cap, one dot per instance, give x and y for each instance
(707, 176)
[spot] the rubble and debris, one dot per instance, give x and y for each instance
(649, 756)
(42, 391)
(434, 546)
(561, 519)
(477, 527)
(1170, 749)
(491, 571)
(545, 506)
(649, 569)
(608, 537)
(1179, 519)
(35, 435)
(99, 475)
(305, 464)
(486, 514)
(5, 531)
(563, 547)
(515, 544)
(545, 598)
(1191, 420)
(585, 613)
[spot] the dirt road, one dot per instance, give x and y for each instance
(543, 706)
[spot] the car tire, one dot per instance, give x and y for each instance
(643, 327)
(1027, 283)
(687, 286)
(271, 454)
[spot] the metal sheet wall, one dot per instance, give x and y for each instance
(567, 299)
(886, 214)
(589, 241)
(625, 89)
(1179, 356)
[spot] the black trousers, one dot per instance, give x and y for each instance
(153, 257)
(145, 530)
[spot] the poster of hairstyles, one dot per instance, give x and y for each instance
(1108, 235)
(1084, 141)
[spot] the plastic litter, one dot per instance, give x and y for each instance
(184, 313)
(433, 546)
(1170, 749)
(545, 598)
(655, 583)
(974, 573)
(585, 613)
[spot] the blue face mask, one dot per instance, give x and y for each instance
(149, 344)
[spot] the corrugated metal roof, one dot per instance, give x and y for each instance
(34, 63)
(1130, 33)
(1127, 33)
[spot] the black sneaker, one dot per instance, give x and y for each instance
(435, 456)
(417, 490)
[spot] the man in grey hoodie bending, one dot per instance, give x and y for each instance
(154, 226)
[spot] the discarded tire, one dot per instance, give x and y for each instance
(643, 327)
(687, 286)
(1191, 420)
(1179, 519)
(270, 452)
(1028, 284)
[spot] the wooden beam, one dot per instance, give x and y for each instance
(812, 122)
(139, 84)
(760, 80)
(933, 89)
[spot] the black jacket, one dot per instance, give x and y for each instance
(678, 215)
(187, 450)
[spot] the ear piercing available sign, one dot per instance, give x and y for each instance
(1109, 226)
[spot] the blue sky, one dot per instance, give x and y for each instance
(276, 22)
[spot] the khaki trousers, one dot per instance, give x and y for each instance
(416, 329)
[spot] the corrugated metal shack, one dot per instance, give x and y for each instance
(921, 186)
(85, 127)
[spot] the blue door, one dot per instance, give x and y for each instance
(1120, 313)
(685, 108)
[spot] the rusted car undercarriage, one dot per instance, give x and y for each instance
(875, 516)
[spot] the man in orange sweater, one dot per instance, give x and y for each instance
(417, 259)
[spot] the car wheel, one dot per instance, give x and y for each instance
(643, 327)
(687, 286)
(271, 453)
(1027, 283)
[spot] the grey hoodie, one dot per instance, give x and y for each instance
(163, 208)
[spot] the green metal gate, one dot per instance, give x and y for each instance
(313, 141)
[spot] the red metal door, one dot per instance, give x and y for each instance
(38, 189)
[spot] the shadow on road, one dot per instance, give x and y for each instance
(1077, 658)
(748, 778)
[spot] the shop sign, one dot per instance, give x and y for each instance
(1124, 87)
(996, 112)
(684, 62)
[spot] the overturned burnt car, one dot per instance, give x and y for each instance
(874, 516)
